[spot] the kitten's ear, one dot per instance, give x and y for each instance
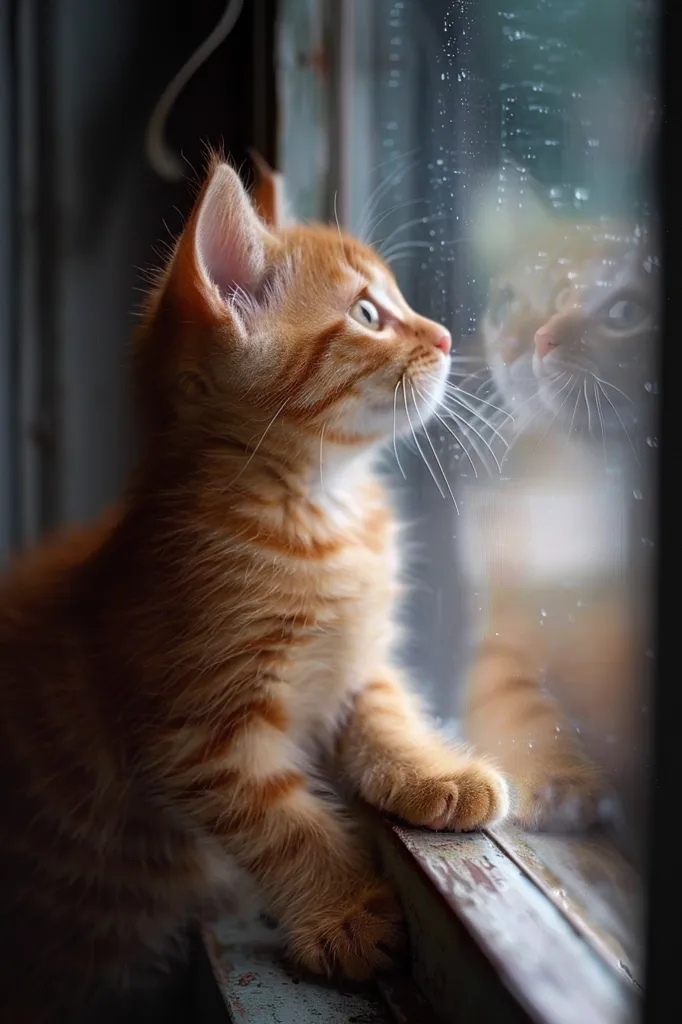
(229, 238)
(268, 193)
(223, 250)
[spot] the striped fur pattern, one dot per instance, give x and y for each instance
(174, 678)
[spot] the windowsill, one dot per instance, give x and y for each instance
(257, 984)
(592, 884)
(503, 925)
(494, 931)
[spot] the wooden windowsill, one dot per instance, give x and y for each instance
(593, 885)
(257, 985)
(503, 926)
(496, 935)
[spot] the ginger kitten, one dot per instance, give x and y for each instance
(173, 678)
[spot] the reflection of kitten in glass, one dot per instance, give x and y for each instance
(568, 330)
(569, 334)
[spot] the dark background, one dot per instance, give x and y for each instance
(83, 213)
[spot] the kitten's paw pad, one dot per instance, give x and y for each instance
(356, 938)
(470, 798)
(573, 801)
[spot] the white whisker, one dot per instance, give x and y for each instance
(634, 450)
(405, 226)
(450, 431)
(338, 226)
(262, 438)
(478, 434)
(606, 383)
(395, 446)
(454, 390)
(371, 228)
(601, 424)
(419, 447)
(478, 414)
(589, 411)
(372, 202)
(435, 454)
(399, 247)
(575, 409)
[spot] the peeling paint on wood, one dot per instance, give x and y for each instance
(259, 988)
(463, 888)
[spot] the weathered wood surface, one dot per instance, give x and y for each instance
(259, 988)
(594, 886)
(463, 891)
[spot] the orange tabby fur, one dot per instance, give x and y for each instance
(172, 678)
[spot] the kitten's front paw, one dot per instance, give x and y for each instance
(470, 797)
(572, 800)
(354, 936)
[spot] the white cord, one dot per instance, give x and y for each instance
(161, 158)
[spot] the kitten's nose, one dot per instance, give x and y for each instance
(545, 340)
(443, 341)
(560, 329)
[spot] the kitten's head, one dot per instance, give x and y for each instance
(570, 326)
(300, 325)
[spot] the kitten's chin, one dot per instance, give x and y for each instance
(404, 410)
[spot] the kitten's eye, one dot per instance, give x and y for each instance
(501, 305)
(625, 314)
(367, 314)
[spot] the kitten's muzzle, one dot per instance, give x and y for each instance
(561, 329)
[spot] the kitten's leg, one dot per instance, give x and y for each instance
(396, 762)
(303, 854)
(555, 787)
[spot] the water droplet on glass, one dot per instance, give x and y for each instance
(637, 494)
(651, 387)
(543, 613)
(652, 442)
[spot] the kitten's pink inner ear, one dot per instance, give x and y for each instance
(229, 238)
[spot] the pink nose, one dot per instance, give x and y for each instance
(544, 341)
(561, 329)
(444, 342)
